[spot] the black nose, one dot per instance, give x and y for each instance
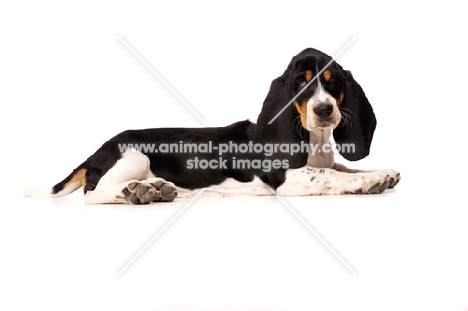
(323, 111)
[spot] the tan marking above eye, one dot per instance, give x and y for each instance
(308, 75)
(327, 75)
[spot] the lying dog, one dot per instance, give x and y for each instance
(284, 150)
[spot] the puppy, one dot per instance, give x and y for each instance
(284, 150)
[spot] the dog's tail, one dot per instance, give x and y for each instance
(74, 181)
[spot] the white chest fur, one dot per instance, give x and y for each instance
(321, 151)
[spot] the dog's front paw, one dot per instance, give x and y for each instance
(393, 176)
(369, 183)
(374, 183)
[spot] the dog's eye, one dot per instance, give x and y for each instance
(301, 83)
(332, 81)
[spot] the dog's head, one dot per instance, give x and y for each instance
(325, 96)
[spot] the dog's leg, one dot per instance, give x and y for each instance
(394, 176)
(319, 181)
(131, 181)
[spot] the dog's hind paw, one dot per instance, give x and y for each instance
(145, 193)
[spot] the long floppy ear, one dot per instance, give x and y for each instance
(358, 125)
(285, 127)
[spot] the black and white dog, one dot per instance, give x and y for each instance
(255, 157)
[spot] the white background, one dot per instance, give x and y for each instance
(67, 84)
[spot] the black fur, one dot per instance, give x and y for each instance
(361, 126)
(173, 166)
